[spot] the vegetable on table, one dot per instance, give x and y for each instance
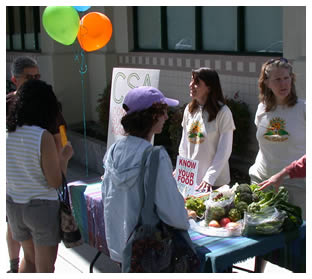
(214, 223)
(224, 221)
(243, 193)
(214, 213)
(278, 200)
(266, 221)
(196, 204)
(269, 199)
(234, 214)
(241, 206)
(220, 197)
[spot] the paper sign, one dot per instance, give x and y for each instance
(123, 80)
(186, 175)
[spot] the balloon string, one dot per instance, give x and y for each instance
(83, 70)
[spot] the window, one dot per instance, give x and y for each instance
(181, 28)
(219, 28)
(213, 29)
(264, 35)
(22, 28)
(149, 24)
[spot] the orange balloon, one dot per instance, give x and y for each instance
(95, 31)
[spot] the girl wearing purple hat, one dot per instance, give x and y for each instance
(208, 127)
(146, 113)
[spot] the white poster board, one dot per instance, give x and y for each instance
(123, 80)
(186, 175)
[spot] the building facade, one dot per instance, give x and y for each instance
(172, 39)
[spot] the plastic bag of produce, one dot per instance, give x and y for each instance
(267, 221)
(218, 205)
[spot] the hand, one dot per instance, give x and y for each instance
(67, 151)
(204, 187)
(191, 214)
(173, 173)
(274, 180)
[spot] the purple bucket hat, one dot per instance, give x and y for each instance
(143, 97)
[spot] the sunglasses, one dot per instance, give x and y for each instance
(29, 76)
(281, 59)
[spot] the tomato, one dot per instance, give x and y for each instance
(214, 223)
(224, 221)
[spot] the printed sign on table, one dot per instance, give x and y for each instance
(123, 80)
(186, 175)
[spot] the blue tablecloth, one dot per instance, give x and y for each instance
(218, 253)
(226, 251)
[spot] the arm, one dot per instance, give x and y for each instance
(183, 142)
(297, 169)
(53, 163)
(222, 155)
(58, 142)
(168, 200)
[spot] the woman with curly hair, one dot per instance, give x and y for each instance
(146, 113)
(34, 171)
(281, 127)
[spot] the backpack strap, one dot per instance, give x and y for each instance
(147, 212)
(141, 183)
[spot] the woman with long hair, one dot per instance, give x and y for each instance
(281, 127)
(208, 127)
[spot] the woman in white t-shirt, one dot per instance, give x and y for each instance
(208, 127)
(281, 127)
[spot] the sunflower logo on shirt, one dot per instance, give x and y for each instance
(276, 130)
(195, 134)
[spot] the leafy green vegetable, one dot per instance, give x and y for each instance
(255, 197)
(254, 187)
(243, 188)
(266, 221)
(269, 198)
(234, 214)
(241, 206)
(214, 213)
(294, 215)
(253, 207)
(263, 202)
(246, 197)
(196, 204)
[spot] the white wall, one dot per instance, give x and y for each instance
(294, 34)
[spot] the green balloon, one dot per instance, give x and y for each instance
(61, 23)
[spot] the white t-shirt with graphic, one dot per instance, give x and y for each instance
(281, 135)
(208, 142)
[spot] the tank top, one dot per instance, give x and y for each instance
(25, 179)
